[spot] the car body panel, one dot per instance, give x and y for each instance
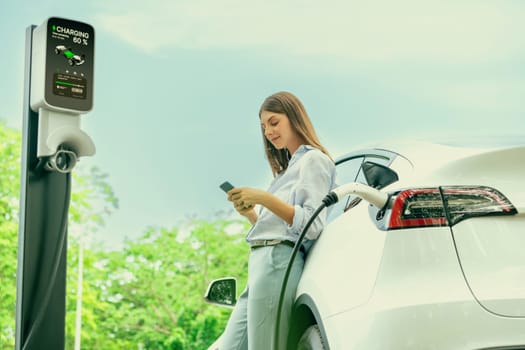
(341, 239)
(490, 248)
(406, 272)
(492, 254)
(451, 326)
(501, 169)
(459, 287)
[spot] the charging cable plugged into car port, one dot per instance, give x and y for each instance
(373, 196)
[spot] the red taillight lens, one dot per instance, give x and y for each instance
(427, 207)
(466, 202)
(417, 208)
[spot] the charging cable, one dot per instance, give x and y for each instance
(370, 194)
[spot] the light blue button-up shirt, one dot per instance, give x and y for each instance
(308, 179)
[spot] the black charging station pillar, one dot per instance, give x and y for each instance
(42, 242)
(58, 88)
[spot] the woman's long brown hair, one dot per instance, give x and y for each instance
(287, 103)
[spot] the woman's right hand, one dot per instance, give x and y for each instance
(247, 211)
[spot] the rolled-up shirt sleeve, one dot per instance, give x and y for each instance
(315, 180)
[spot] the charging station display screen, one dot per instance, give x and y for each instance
(69, 86)
(69, 64)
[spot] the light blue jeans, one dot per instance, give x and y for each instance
(252, 322)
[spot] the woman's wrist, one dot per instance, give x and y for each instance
(252, 217)
(263, 198)
(277, 206)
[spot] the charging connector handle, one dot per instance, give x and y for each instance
(370, 194)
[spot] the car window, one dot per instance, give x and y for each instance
(350, 171)
(346, 172)
(383, 160)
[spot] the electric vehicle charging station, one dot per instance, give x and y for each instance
(59, 72)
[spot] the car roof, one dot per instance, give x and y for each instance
(439, 149)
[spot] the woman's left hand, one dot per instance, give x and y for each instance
(244, 198)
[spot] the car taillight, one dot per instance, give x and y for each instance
(444, 206)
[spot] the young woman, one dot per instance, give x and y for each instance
(303, 174)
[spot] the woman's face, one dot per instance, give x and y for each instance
(278, 131)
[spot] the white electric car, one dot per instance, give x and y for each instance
(441, 266)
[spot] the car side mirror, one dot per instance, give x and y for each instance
(222, 292)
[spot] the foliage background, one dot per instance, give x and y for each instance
(147, 295)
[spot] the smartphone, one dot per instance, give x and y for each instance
(226, 186)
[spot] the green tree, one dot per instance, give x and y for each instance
(9, 194)
(146, 296)
(92, 201)
(157, 285)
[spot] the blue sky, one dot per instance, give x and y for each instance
(179, 83)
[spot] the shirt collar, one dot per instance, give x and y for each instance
(299, 152)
